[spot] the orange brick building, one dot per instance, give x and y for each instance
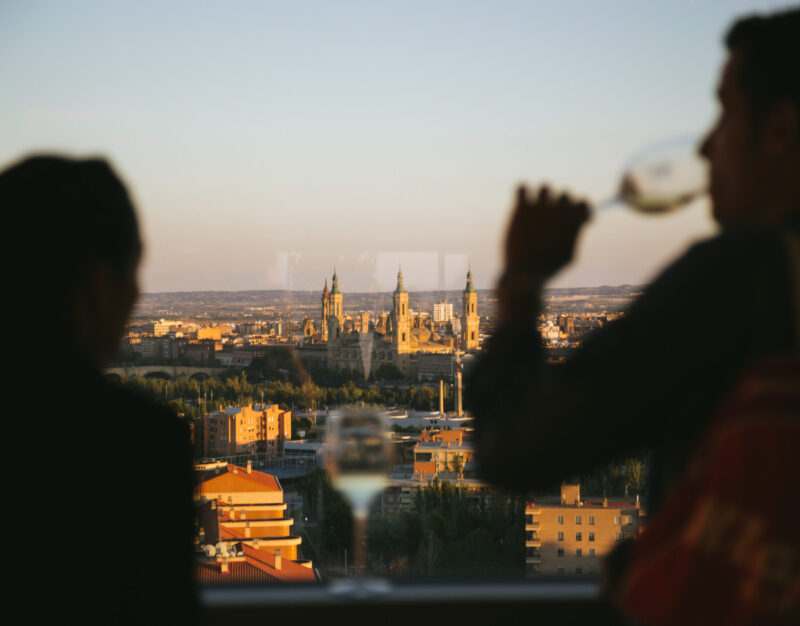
(439, 452)
(246, 430)
(569, 536)
(210, 332)
(243, 531)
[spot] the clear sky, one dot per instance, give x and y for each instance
(265, 142)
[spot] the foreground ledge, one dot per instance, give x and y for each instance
(378, 601)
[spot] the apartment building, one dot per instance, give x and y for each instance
(260, 428)
(243, 532)
(441, 452)
(568, 536)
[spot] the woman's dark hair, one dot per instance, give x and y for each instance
(770, 53)
(64, 216)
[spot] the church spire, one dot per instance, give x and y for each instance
(470, 288)
(401, 286)
(335, 282)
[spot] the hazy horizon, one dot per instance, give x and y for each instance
(266, 142)
(358, 293)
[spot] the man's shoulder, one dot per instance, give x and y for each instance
(128, 400)
(733, 252)
(740, 239)
(140, 413)
(738, 274)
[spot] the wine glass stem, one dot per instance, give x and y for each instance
(359, 541)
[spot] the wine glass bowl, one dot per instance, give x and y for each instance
(663, 177)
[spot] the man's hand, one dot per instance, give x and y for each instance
(542, 233)
(540, 241)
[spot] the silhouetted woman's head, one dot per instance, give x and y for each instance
(73, 250)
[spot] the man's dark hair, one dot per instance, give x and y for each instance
(770, 55)
(64, 216)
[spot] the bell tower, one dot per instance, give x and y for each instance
(470, 320)
(401, 318)
(326, 311)
(337, 306)
(336, 310)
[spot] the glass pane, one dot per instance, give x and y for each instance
(322, 192)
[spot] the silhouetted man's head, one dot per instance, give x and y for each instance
(754, 148)
(74, 244)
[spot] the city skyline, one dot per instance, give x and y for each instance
(263, 142)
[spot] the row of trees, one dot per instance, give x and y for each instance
(450, 534)
(191, 397)
(616, 478)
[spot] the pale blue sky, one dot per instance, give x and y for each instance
(266, 141)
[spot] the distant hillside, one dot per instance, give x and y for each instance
(272, 304)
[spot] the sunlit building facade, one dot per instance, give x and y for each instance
(260, 428)
(568, 537)
(244, 534)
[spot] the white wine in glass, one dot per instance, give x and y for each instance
(663, 177)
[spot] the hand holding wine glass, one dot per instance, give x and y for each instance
(544, 228)
(540, 240)
(542, 233)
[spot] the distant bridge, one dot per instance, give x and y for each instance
(165, 371)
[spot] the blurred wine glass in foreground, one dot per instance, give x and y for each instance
(358, 464)
(661, 178)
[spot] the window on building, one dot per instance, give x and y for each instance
(560, 519)
(578, 520)
(578, 536)
(618, 537)
(591, 553)
(579, 570)
(591, 536)
(561, 552)
(561, 536)
(618, 520)
(560, 568)
(591, 520)
(579, 553)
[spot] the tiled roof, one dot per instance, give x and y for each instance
(240, 481)
(226, 532)
(289, 572)
(239, 573)
(257, 567)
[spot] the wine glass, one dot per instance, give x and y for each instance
(661, 178)
(358, 460)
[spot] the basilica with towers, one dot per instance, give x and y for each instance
(399, 338)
